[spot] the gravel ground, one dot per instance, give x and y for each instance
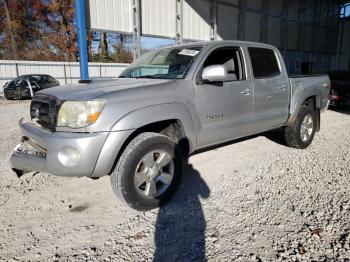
(252, 200)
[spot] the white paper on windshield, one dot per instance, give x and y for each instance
(188, 52)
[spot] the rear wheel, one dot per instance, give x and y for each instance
(301, 133)
(148, 171)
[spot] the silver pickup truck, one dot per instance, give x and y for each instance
(139, 128)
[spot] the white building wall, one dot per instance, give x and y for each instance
(109, 15)
(158, 17)
(196, 16)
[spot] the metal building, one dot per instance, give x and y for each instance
(309, 33)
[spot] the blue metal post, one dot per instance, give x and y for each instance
(82, 39)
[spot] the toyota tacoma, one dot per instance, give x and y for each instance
(140, 128)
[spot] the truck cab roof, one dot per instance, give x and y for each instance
(221, 42)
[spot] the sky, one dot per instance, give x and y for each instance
(347, 10)
(153, 43)
(149, 43)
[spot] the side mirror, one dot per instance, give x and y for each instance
(214, 73)
(217, 73)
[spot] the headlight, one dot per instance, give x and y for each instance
(76, 114)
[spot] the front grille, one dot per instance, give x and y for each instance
(44, 109)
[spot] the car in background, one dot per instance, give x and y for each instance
(340, 87)
(25, 86)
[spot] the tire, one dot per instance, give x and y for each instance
(142, 177)
(301, 134)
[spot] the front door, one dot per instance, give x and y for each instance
(24, 89)
(224, 109)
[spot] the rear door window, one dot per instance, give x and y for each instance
(264, 62)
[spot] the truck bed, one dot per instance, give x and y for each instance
(302, 87)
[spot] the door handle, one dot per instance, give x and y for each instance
(282, 88)
(246, 92)
(325, 85)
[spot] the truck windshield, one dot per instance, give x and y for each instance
(169, 63)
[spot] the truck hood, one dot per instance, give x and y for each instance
(99, 88)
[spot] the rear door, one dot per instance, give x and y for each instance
(224, 109)
(24, 89)
(271, 89)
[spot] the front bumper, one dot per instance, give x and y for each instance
(89, 157)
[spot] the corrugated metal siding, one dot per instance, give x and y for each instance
(292, 35)
(158, 17)
(273, 33)
(56, 69)
(293, 10)
(345, 58)
(226, 22)
(196, 15)
(228, 2)
(307, 43)
(275, 7)
(322, 41)
(254, 4)
(252, 26)
(110, 15)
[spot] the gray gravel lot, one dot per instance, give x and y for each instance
(252, 200)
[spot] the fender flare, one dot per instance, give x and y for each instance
(295, 108)
(160, 112)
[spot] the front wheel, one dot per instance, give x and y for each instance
(148, 171)
(301, 133)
